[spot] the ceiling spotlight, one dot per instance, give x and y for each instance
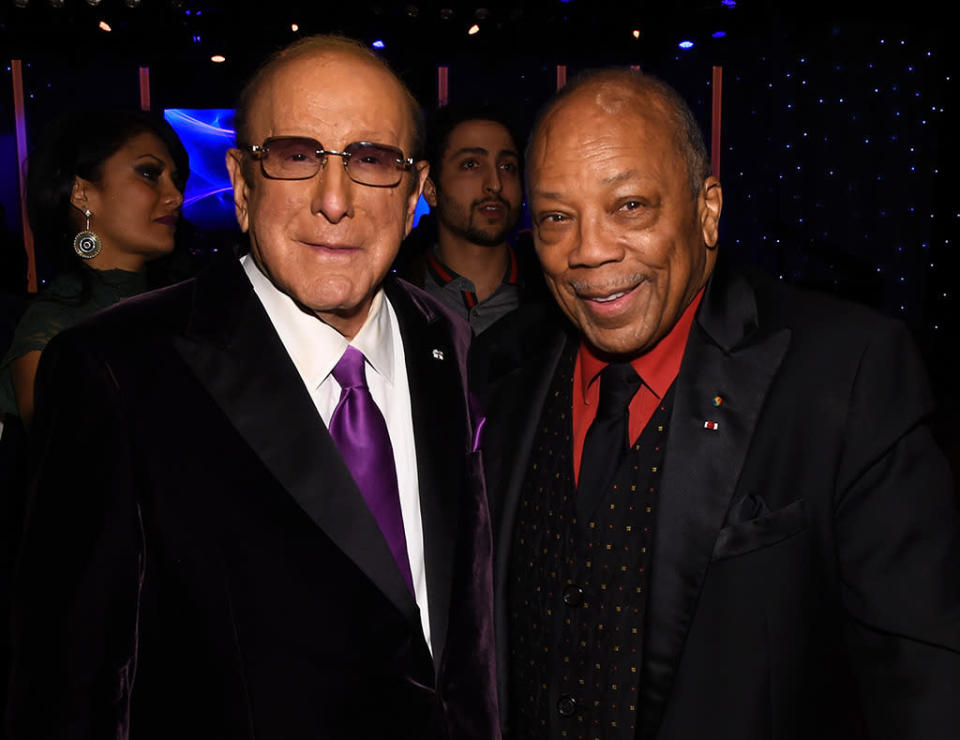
(474, 30)
(56, 3)
(94, 3)
(685, 44)
(412, 11)
(218, 59)
(104, 26)
(636, 33)
(378, 44)
(294, 27)
(132, 3)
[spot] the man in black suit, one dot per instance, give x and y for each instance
(718, 509)
(259, 511)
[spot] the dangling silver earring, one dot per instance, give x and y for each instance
(87, 243)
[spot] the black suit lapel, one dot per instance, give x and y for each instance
(521, 365)
(435, 366)
(235, 352)
(727, 357)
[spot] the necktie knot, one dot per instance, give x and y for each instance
(619, 383)
(349, 370)
(606, 443)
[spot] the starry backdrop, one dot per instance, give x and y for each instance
(838, 128)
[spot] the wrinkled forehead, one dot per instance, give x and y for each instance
(337, 86)
(603, 114)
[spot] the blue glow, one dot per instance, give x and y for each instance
(685, 44)
(729, 3)
(206, 133)
(422, 209)
(719, 34)
(378, 44)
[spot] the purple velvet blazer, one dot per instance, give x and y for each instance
(197, 561)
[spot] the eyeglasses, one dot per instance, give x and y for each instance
(300, 158)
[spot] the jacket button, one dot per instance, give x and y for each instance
(566, 705)
(572, 596)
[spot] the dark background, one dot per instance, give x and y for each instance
(838, 118)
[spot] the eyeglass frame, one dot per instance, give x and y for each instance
(260, 152)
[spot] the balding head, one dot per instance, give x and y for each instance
(316, 46)
(620, 91)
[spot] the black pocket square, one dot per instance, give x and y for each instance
(762, 530)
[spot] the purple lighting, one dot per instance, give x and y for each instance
(378, 44)
(719, 34)
(685, 44)
(729, 3)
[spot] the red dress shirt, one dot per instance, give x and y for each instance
(658, 368)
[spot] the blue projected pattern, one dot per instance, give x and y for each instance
(207, 134)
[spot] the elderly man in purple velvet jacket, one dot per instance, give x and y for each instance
(258, 511)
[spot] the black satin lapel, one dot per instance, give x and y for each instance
(516, 404)
(441, 433)
(701, 469)
(236, 354)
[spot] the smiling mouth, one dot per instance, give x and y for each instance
(609, 298)
(603, 294)
(327, 247)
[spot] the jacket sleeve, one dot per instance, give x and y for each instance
(898, 540)
(80, 572)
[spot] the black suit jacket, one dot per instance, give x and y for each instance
(806, 572)
(198, 561)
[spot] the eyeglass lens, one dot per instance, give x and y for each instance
(296, 158)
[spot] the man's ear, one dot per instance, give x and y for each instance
(430, 193)
(241, 189)
(710, 202)
(421, 170)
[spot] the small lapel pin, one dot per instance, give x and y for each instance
(711, 425)
(438, 354)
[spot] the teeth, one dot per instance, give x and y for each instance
(610, 298)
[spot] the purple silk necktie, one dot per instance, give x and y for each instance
(361, 435)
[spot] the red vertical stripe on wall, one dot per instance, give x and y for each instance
(443, 85)
(715, 121)
(20, 123)
(145, 88)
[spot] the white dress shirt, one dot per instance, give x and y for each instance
(316, 348)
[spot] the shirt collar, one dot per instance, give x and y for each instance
(444, 275)
(657, 368)
(316, 347)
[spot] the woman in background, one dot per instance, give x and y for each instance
(104, 191)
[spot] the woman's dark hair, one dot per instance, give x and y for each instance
(75, 145)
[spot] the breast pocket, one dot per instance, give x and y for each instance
(762, 531)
